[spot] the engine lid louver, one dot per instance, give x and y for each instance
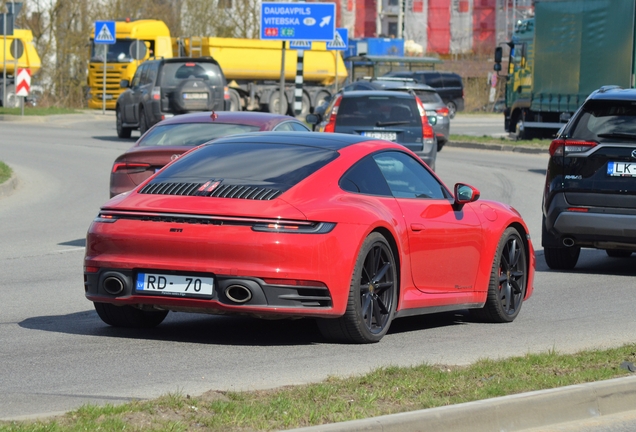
(211, 188)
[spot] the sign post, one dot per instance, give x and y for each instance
(104, 35)
(296, 22)
(340, 42)
(23, 85)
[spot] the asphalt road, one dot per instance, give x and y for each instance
(56, 354)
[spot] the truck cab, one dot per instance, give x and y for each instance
(20, 53)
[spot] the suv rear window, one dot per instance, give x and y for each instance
(173, 73)
(365, 111)
(603, 120)
(279, 166)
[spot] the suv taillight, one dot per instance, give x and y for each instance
(331, 124)
(559, 147)
(442, 111)
(156, 93)
(226, 93)
(427, 129)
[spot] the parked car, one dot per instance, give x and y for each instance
(449, 85)
(165, 87)
(347, 229)
(389, 115)
(436, 110)
(589, 199)
(172, 137)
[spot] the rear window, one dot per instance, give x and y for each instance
(605, 120)
(370, 111)
(428, 96)
(192, 134)
(275, 166)
(172, 74)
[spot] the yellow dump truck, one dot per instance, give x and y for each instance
(251, 66)
(20, 53)
(135, 42)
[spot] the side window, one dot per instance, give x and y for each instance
(452, 80)
(136, 82)
(433, 79)
(407, 178)
(299, 127)
(151, 74)
(284, 127)
(365, 178)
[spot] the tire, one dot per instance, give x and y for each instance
(122, 132)
(128, 316)
(508, 280)
(618, 253)
(320, 98)
(372, 296)
(561, 258)
(235, 101)
(13, 101)
(440, 145)
(519, 131)
(452, 109)
(143, 122)
(274, 101)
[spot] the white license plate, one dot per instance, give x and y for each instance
(175, 285)
(621, 169)
(195, 95)
(389, 136)
(108, 97)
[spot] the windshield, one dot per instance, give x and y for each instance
(604, 120)
(192, 134)
(117, 52)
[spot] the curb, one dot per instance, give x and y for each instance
(500, 147)
(7, 187)
(508, 413)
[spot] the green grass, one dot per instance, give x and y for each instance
(383, 391)
(37, 111)
(5, 172)
(485, 139)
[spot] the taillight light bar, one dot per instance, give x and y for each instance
(559, 147)
(427, 129)
(226, 93)
(130, 167)
(156, 93)
(331, 124)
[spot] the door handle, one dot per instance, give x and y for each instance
(417, 227)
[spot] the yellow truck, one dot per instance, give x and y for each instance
(20, 52)
(252, 67)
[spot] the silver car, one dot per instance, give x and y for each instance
(436, 110)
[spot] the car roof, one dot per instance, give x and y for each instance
(329, 141)
(398, 84)
(613, 93)
(239, 117)
(362, 93)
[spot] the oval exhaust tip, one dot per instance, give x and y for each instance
(238, 293)
(568, 242)
(113, 285)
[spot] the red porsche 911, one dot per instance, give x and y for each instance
(351, 231)
(174, 136)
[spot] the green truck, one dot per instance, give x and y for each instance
(569, 49)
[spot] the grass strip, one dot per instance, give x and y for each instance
(485, 139)
(384, 391)
(5, 172)
(38, 111)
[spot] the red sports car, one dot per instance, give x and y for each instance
(172, 137)
(352, 231)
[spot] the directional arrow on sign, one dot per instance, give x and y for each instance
(23, 82)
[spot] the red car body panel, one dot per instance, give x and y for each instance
(444, 255)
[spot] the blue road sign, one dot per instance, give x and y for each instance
(340, 40)
(104, 32)
(298, 21)
(300, 45)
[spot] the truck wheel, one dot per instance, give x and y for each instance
(235, 101)
(275, 101)
(13, 101)
(321, 98)
(122, 132)
(306, 105)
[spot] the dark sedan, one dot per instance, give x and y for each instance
(170, 138)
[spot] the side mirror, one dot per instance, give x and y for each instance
(312, 119)
(465, 194)
(124, 83)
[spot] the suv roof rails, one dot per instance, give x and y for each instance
(606, 88)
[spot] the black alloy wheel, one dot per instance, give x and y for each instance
(508, 280)
(372, 296)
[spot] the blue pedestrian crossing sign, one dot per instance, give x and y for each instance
(340, 40)
(104, 32)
